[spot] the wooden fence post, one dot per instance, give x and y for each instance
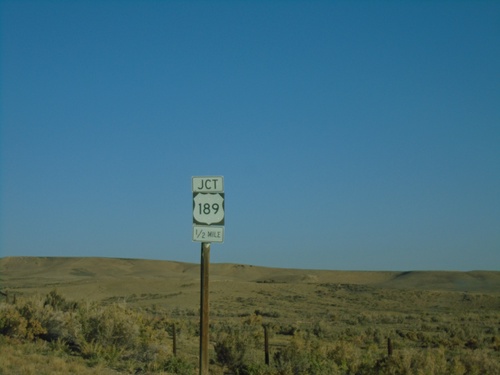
(266, 344)
(389, 346)
(174, 338)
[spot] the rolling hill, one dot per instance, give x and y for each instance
(104, 278)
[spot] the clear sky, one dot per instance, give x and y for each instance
(352, 135)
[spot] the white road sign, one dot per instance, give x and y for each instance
(208, 184)
(208, 208)
(208, 234)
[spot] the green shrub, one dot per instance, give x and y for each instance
(110, 326)
(304, 357)
(12, 323)
(178, 366)
(31, 313)
(478, 362)
(230, 347)
(58, 302)
(346, 356)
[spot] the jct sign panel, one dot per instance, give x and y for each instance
(208, 209)
(209, 184)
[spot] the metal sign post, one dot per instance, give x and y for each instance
(208, 226)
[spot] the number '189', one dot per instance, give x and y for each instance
(207, 208)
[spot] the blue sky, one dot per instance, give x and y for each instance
(351, 135)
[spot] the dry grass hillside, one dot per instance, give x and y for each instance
(98, 278)
(104, 314)
(234, 288)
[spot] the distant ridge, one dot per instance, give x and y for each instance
(101, 277)
(486, 281)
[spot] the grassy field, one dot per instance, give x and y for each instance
(105, 316)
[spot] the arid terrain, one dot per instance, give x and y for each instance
(339, 320)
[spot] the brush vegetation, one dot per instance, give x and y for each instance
(117, 316)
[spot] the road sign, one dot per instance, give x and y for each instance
(208, 184)
(208, 233)
(208, 208)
